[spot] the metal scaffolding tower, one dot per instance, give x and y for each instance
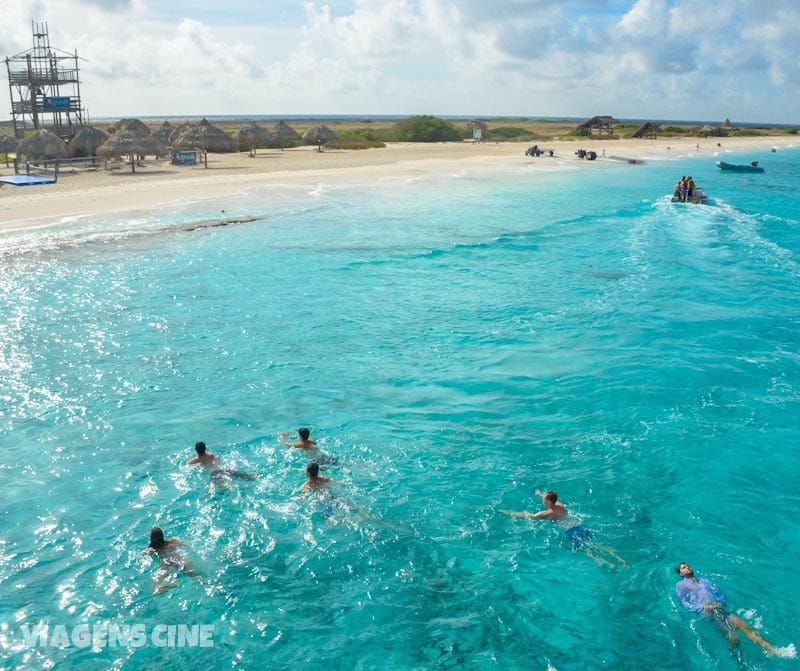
(45, 88)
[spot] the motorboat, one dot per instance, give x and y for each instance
(733, 167)
(699, 197)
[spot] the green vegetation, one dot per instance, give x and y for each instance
(427, 128)
(508, 133)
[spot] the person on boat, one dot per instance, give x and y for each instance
(703, 596)
(579, 536)
(690, 187)
(684, 188)
(171, 560)
(676, 194)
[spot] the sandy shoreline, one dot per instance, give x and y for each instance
(158, 183)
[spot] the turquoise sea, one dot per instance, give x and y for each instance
(457, 342)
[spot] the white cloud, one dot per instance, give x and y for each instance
(647, 58)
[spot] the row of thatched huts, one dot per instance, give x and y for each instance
(132, 137)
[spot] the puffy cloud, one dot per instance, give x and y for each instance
(642, 58)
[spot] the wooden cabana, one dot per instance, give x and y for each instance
(598, 125)
(649, 130)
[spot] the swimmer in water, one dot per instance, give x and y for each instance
(702, 596)
(307, 444)
(170, 559)
(315, 481)
(579, 536)
(210, 463)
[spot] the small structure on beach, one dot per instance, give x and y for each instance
(650, 130)
(727, 127)
(131, 144)
(706, 130)
(284, 134)
(138, 127)
(318, 134)
(86, 142)
(597, 125)
(205, 137)
(164, 131)
(252, 136)
(8, 145)
(43, 145)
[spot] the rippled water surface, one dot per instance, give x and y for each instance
(457, 343)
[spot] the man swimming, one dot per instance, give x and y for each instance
(580, 537)
(315, 481)
(307, 444)
(210, 463)
(170, 559)
(702, 596)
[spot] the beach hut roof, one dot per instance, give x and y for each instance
(8, 144)
(43, 145)
(86, 141)
(164, 131)
(477, 123)
(133, 124)
(130, 143)
(204, 136)
(318, 133)
(177, 131)
(252, 135)
(282, 131)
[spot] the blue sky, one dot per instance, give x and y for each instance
(651, 59)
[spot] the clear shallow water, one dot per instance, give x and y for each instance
(457, 342)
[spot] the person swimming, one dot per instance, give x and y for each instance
(218, 474)
(307, 444)
(579, 536)
(171, 561)
(702, 596)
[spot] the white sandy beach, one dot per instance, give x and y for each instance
(158, 183)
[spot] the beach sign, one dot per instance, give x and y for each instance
(476, 134)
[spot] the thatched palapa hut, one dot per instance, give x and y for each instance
(602, 125)
(318, 134)
(42, 146)
(86, 142)
(8, 145)
(283, 133)
(252, 136)
(206, 137)
(650, 129)
(129, 143)
(135, 125)
(164, 131)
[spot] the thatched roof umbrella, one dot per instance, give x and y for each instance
(128, 143)
(135, 125)
(281, 131)
(477, 123)
(207, 137)
(164, 131)
(7, 145)
(318, 134)
(251, 136)
(178, 131)
(86, 141)
(43, 146)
